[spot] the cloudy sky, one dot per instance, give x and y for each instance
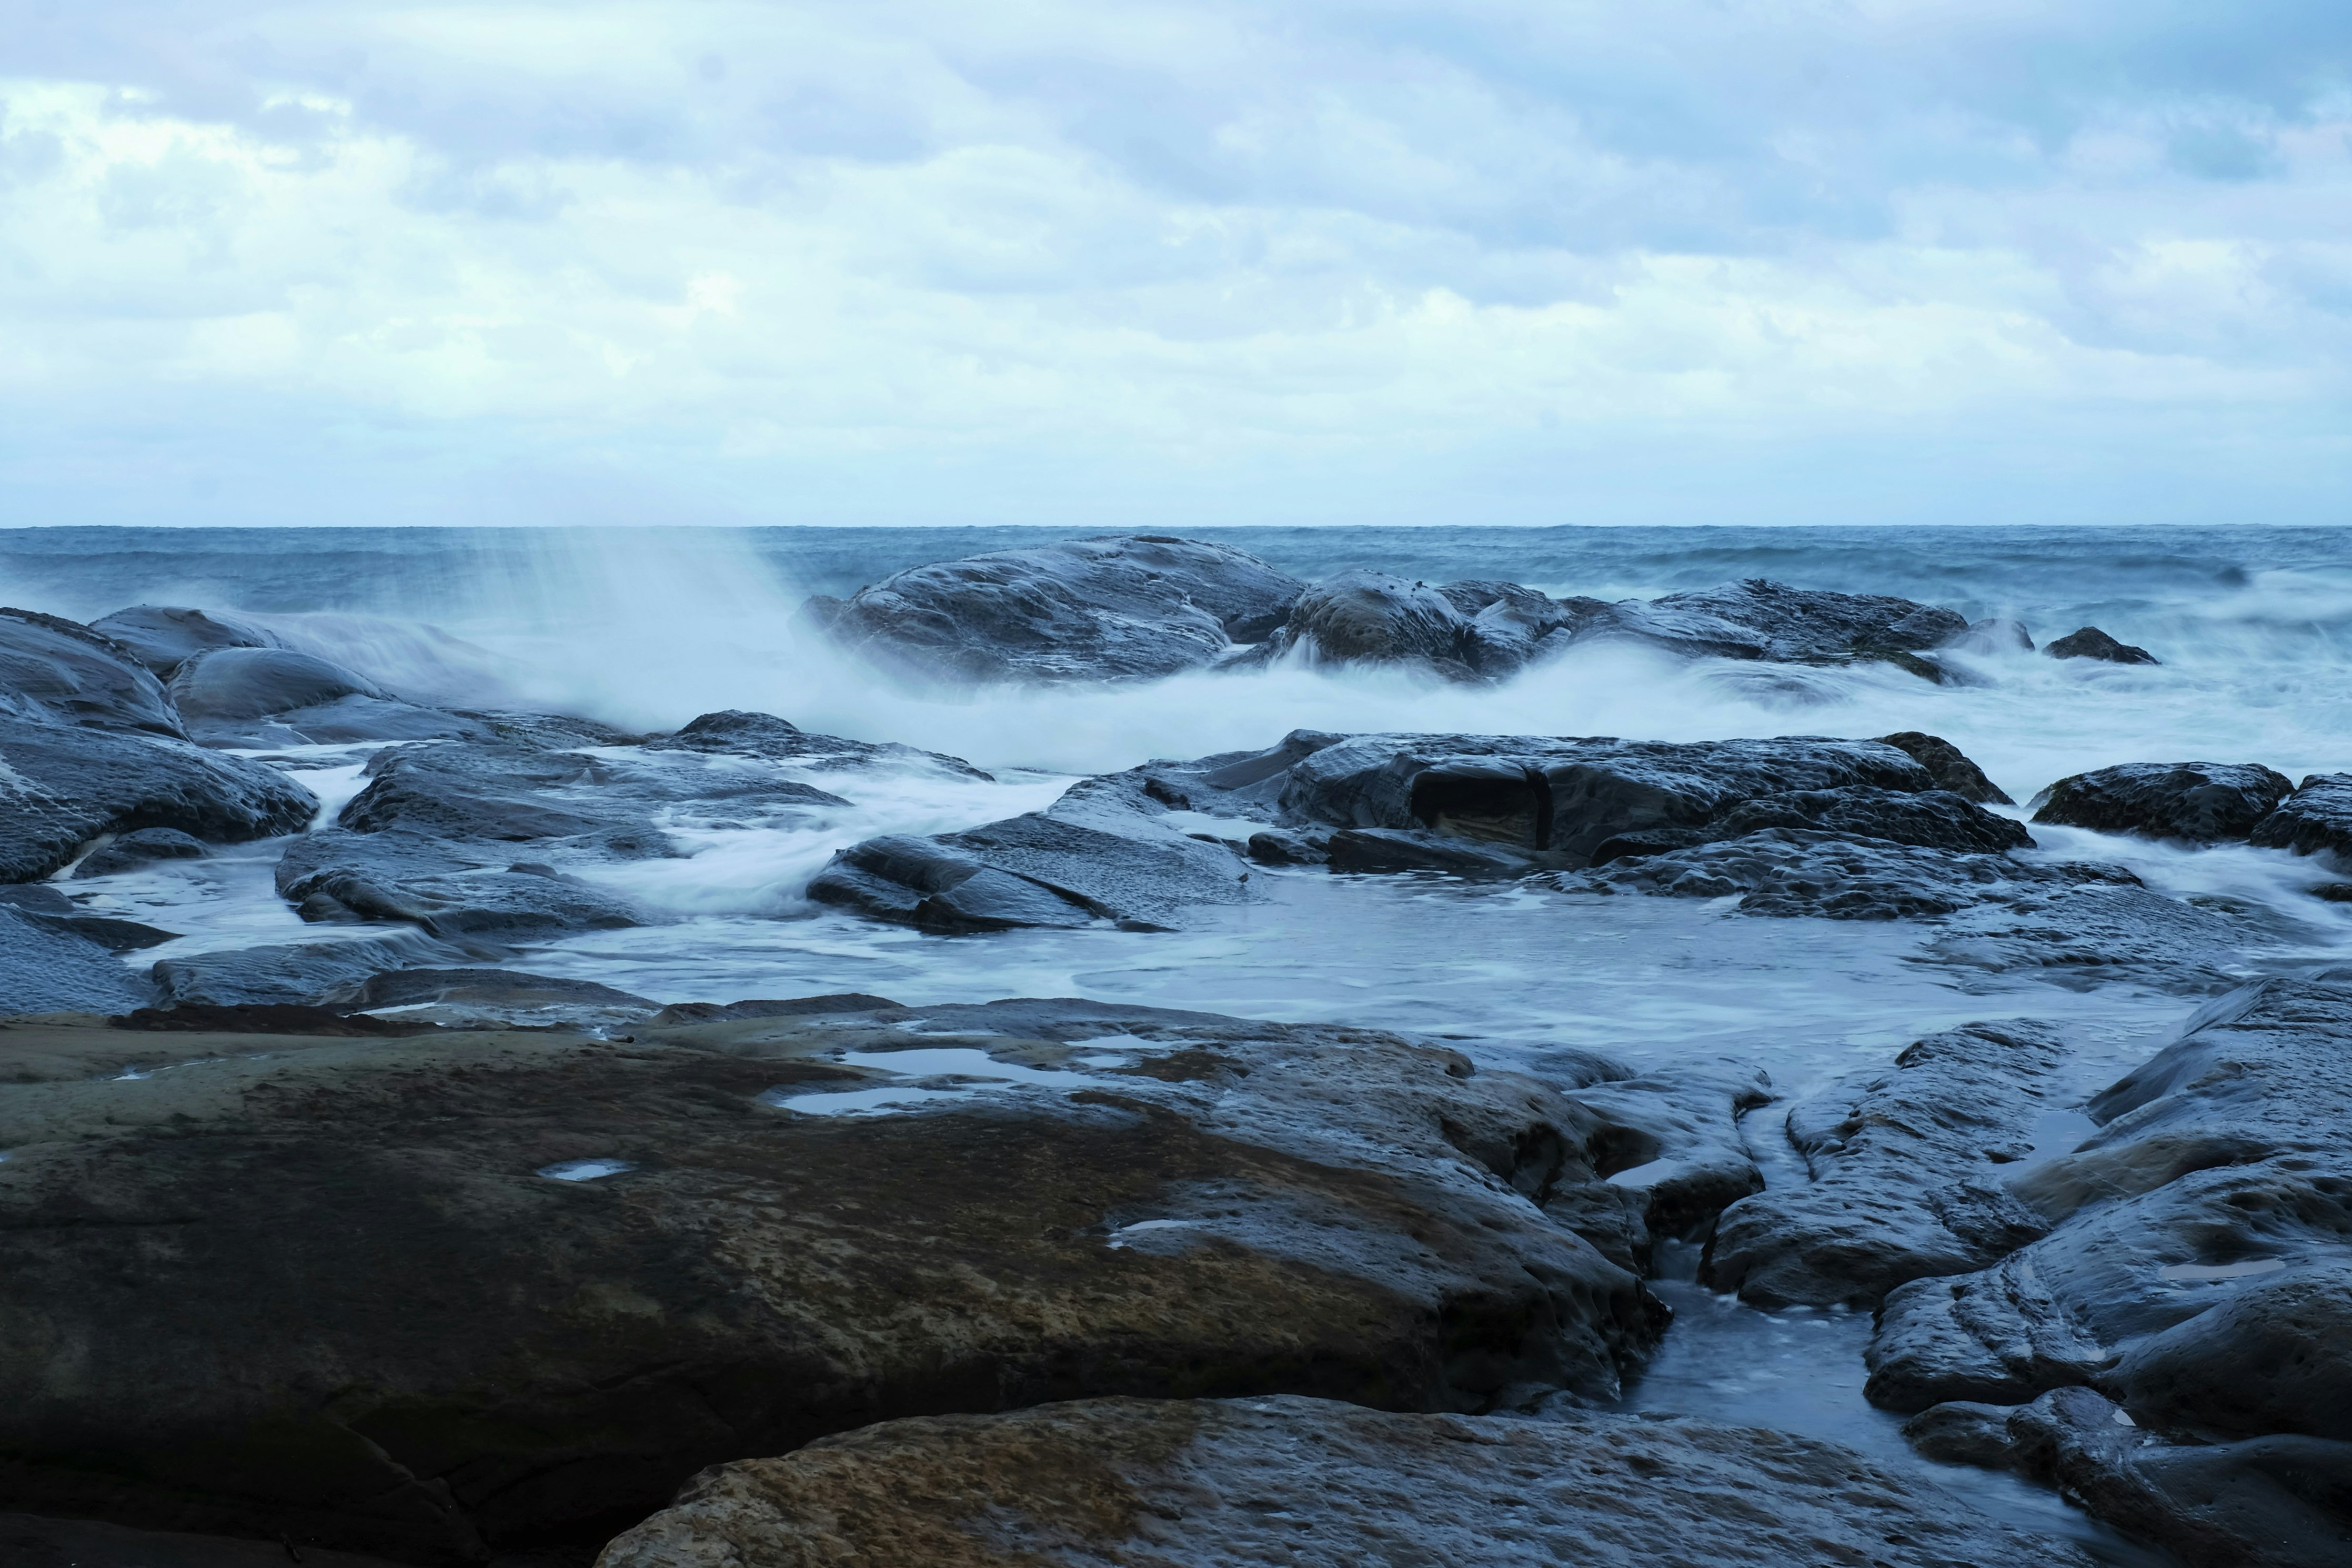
(1128, 262)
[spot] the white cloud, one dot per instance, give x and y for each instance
(1158, 262)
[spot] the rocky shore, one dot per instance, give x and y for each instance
(380, 1246)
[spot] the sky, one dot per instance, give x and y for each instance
(1131, 263)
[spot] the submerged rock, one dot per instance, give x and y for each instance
(1906, 1169)
(542, 1280)
(62, 671)
(2092, 643)
(1112, 608)
(2202, 803)
(1172, 1484)
(164, 637)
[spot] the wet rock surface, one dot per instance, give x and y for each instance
(45, 967)
(466, 1352)
(1904, 1169)
(1948, 766)
(142, 847)
(1115, 608)
(2200, 803)
(2197, 1276)
(1160, 1484)
(165, 636)
(60, 670)
(2090, 642)
(2315, 819)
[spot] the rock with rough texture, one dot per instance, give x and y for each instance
(1906, 1169)
(1117, 607)
(2315, 819)
(60, 670)
(164, 637)
(1372, 617)
(44, 968)
(465, 890)
(2266, 1502)
(1798, 624)
(1207, 1483)
(1948, 766)
(1670, 1155)
(492, 998)
(2203, 1233)
(301, 973)
(462, 1351)
(2090, 642)
(63, 785)
(1930, 819)
(1102, 852)
(2200, 803)
(734, 733)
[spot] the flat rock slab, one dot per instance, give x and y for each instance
(436, 1295)
(1128, 1483)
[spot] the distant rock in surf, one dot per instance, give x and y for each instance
(2092, 643)
(2200, 803)
(1127, 608)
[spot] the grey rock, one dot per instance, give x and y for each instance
(164, 637)
(66, 785)
(1931, 819)
(1668, 1149)
(1372, 617)
(1274, 847)
(1802, 623)
(492, 998)
(141, 846)
(771, 1007)
(260, 697)
(1961, 1432)
(1905, 1169)
(1112, 608)
(2090, 642)
(2268, 1502)
(487, 1359)
(60, 670)
(735, 733)
(1185, 1484)
(1948, 766)
(2202, 803)
(300, 972)
(2315, 819)
(1388, 850)
(47, 968)
(450, 888)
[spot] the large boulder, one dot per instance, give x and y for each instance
(164, 637)
(1117, 607)
(2200, 803)
(67, 785)
(1948, 766)
(1904, 1169)
(1801, 624)
(1162, 1484)
(45, 967)
(1465, 631)
(519, 1285)
(60, 670)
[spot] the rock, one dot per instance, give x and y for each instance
(492, 998)
(300, 973)
(61, 671)
(44, 968)
(267, 1018)
(1111, 608)
(1959, 1432)
(2201, 802)
(65, 784)
(1274, 847)
(1799, 624)
(164, 637)
(1788, 872)
(1569, 794)
(788, 1007)
(1388, 850)
(2092, 643)
(2316, 818)
(1930, 819)
(735, 733)
(1994, 634)
(1669, 1152)
(1371, 617)
(142, 847)
(257, 696)
(473, 1349)
(460, 890)
(1102, 852)
(2272, 1503)
(1159, 1484)
(1685, 633)
(1948, 766)
(2204, 1227)
(1905, 1170)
